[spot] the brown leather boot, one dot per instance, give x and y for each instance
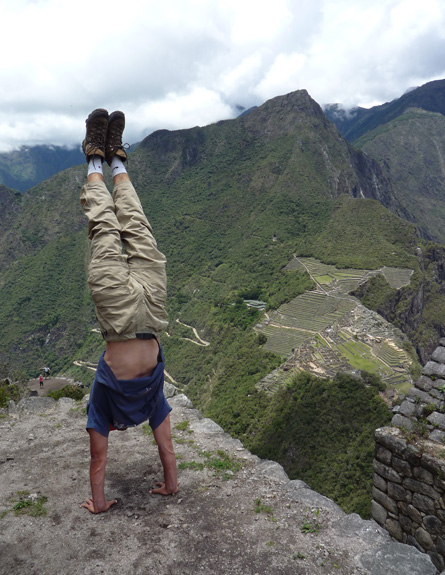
(113, 144)
(95, 138)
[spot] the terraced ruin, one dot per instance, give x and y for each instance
(326, 330)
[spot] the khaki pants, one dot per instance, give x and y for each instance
(128, 289)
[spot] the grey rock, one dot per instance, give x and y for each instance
(207, 425)
(432, 524)
(439, 355)
(397, 559)
(66, 403)
(367, 530)
(423, 475)
(437, 559)
(407, 409)
(169, 390)
(384, 500)
(378, 512)
(402, 422)
(420, 487)
(36, 404)
(383, 454)
(437, 435)
(387, 472)
(437, 419)
(424, 383)
(181, 400)
(423, 504)
(397, 492)
(379, 482)
(391, 439)
(402, 466)
(434, 369)
(394, 529)
(424, 538)
(312, 498)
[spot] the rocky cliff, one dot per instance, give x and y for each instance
(234, 514)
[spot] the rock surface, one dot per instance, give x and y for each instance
(250, 520)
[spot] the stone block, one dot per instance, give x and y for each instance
(407, 408)
(438, 355)
(394, 529)
(384, 500)
(437, 419)
(396, 492)
(440, 546)
(415, 515)
(401, 466)
(424, 538)
(434, 369)
(383, 454)
(405, 524)
(419, 396)
(402, 422)
(411, 540)
(424, 383)
(435, 464)
(437, 559)
(378, 513)
(442, 341)
(423, 475)
(413, 454)
(419, 487)
(438, 436)
(379, 482)
(432, 524)
(423, 504)
(387, 472)
(391, 439)
(438, 383)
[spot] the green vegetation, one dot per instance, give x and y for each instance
(305, 429)
(261, 508)
(222, 464)
(29, 505)
(72, 391)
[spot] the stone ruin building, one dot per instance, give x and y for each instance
(409, 465)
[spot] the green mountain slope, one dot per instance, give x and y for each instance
(411, 150)
(29, 165)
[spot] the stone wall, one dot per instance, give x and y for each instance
(409, 465)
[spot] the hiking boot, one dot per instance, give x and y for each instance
(113, 145)
(94, 143)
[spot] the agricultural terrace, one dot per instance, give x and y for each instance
(326, 330)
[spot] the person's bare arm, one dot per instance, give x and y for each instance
(163, 438)
(98, 451)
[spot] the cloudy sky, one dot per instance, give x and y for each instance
(180, 63)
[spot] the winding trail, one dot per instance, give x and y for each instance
(201, 341)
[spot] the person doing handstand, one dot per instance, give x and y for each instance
(127, 281)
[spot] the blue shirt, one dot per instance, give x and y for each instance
(122, 403)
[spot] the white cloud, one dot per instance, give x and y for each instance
(185, 62)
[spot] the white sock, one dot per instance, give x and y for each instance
(117, 166)
(95, 165)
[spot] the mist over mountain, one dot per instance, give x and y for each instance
(354, 123)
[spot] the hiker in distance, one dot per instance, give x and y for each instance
(128, 288)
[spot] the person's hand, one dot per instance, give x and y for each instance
(163, 490)
(89, 504)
